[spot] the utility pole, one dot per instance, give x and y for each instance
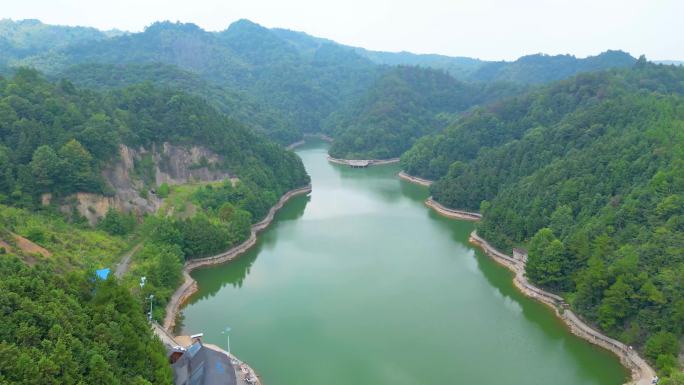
(226, 331)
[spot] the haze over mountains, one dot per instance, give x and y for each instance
(296, 80)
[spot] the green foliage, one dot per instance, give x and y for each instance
(239, 105)
(163, 190)
(542, 68)
(222, 220)
(588, 174)
(72, 330)
(117, 223)
(293, 89)
(71, 245)
(19, 39)
(546, 260)
(56, 138)
(404, 104)
(676, 378)
(661, 343)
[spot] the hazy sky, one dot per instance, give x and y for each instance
(487, 29)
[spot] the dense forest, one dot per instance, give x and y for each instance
(587, 174)
(283, 82)
(238, 105)
(56, 138)
(404, 104)
(23, 38)
(303, 87)
(540, 68)
(73, 329)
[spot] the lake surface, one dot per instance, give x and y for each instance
(361, 284)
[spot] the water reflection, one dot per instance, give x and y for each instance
(369, 286)
(234, 272)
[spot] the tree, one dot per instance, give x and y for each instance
(676, 378)
(117, 223)
(77, 172)
(99, 136)
(616, 304)
(99, 372)
(45, 168)
(661, 343)
(163, 190)
(226, 212)
(546, 260)
(561, 221)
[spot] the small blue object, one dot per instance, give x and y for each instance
(102, 273)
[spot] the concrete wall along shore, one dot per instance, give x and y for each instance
(366, 162)
(414, 179)
(642, 373)
(189, 286)
(451, 213)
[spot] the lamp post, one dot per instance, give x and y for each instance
(226, 331)
(142, 282)
(149, 315)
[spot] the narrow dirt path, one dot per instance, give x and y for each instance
(125, 263)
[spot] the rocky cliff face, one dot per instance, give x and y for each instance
(137, 173)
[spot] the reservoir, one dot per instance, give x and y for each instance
(361, 284)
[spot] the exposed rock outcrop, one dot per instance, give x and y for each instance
(137, 173)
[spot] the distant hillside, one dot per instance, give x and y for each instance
(238, 105)
(290, 81)
(458, 67)
(542, 68)
(670, 62)
(24, 38)
(302, 87)
(404, 104)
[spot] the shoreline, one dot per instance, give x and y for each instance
(189, 285)
(322, 137)
(294, 145)
(298, 143)
(451, 213)
(414, 179)
(368, 162)
(641, 371)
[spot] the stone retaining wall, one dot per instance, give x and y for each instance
(414, 179)
(451, 213)
(642, 373)
(371, 162)
(189, 286)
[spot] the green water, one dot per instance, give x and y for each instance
(361, 284)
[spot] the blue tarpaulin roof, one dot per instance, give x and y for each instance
(102, 273)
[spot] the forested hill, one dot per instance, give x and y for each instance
(404, 104)
(238, 105)
(587, 174)
(60, 323)
(282, 82)
(56, 137)
(303, 87)
(540, 68)
(25, 38)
